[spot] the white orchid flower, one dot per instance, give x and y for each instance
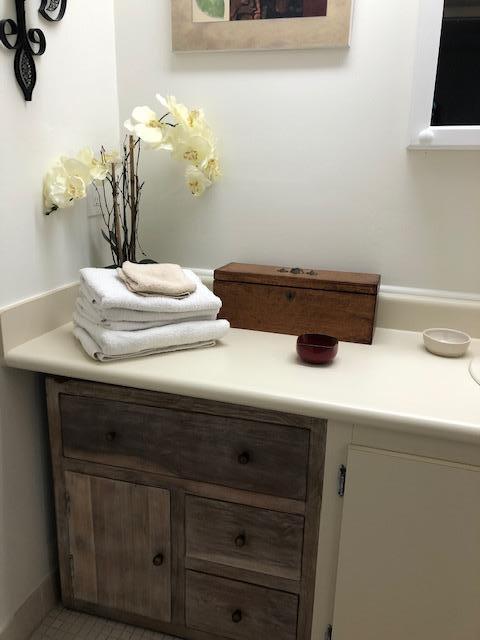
(61, 189)
(146, 125)
(187, 136)
(179, 111)
(98, 169)
(76, 168)
(211, 168)
(76, 188)
(193, 148)
(196, 119)
(111, 157)
(189, 118)
(196, 181)
(55, 188)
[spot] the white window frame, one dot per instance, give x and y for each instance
(422, 134)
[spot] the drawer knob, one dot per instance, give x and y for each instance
(240, 541)
(237, 616)
(111, 435)
(158, 560)
(244, 458)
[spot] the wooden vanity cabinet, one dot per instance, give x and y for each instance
(196, 518)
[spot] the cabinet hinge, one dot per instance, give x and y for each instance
(329, 632)
(342, 476)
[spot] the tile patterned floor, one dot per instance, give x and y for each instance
(61, 624)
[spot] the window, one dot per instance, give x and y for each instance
(446, 105)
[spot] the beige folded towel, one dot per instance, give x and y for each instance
(156, 280)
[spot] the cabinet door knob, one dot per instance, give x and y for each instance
(110, 436)
(237, 616)
(158, 560)
(240, 541)
(244, 458)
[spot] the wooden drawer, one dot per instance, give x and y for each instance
(245, 454)
(248, 538)
(238, 610)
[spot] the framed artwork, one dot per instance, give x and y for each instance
(221, 25)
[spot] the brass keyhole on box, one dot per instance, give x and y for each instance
(290, 295)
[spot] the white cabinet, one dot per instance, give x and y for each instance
(409, 562)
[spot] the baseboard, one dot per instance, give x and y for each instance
(30, 615)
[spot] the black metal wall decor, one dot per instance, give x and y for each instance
(28, 43)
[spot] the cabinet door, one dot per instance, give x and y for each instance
(409, 564)
(120, 545)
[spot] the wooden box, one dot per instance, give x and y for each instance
(297, 301)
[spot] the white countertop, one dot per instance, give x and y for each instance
(394, 383)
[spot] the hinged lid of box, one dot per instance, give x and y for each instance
(366, 283)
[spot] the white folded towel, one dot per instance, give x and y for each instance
(104, 344)
(91, 348)
(137, 320)
(106, 291)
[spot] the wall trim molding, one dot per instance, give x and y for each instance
(33, 611)
(430, 293)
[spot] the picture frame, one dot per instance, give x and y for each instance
(202, 32)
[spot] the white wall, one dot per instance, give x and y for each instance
(314, 150)
(75, 103)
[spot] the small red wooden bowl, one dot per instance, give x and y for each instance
(316, 348)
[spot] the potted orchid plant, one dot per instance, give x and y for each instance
(182, 132)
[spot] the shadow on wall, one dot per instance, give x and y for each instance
(274, 62)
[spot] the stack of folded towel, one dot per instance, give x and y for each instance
(140, 310)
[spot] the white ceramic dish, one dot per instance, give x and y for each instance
(448, 343)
